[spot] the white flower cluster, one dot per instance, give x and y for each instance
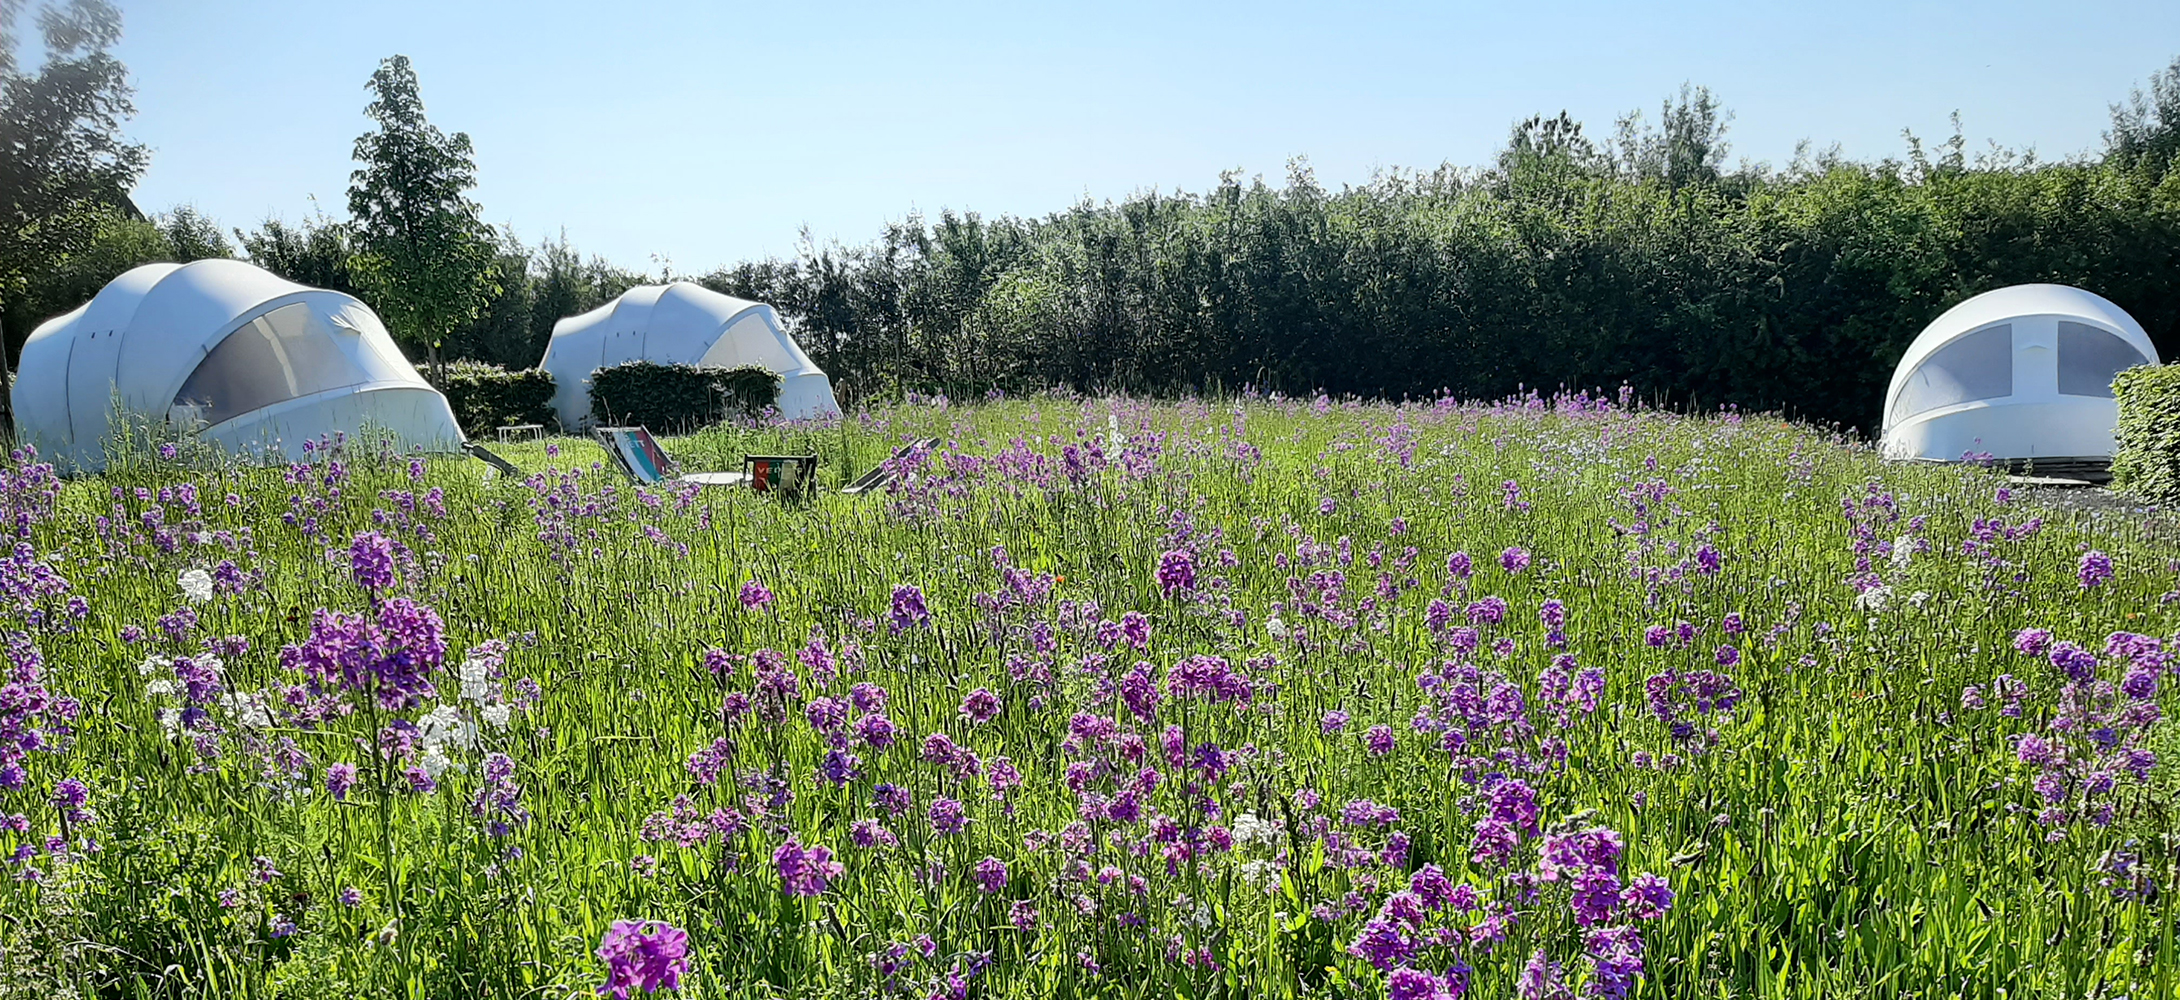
(196, 585)
(439, 729)
(478, 686)
(1903, 551)
(1250, 829)
(1873, 600)
(1262, 874)
(247, 708)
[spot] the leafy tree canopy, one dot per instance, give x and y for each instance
(419, 247)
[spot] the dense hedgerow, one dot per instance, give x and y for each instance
(680, 398)
(486, 396)
(1262, 697)
(2146, 457)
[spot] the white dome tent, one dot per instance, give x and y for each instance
(680, 323)
(258, 362)
(2019, 373)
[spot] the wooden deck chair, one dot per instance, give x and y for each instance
(877, 478)
(638, 454)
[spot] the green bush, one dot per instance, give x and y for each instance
(2147, 461)
(679, 397)
(485, 396)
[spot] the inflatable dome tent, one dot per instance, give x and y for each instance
(2020, 373)
(681, 323)
(257, 362)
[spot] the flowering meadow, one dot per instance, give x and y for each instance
(1252, 698)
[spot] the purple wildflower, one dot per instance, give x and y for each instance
(371, 560)
(647, 955)
(980, 707)
(1176, 572)
(909, 609)
(805, 872)
(991, 875)
(2096, 567)
(947, 816)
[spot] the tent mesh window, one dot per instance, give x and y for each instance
(288, 352)
(1977, 366)
(2090, 357)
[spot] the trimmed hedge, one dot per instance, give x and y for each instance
(2147, 461)
(485, 396)
(675, 398)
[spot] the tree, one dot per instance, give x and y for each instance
(315, 253)
(1688, 147)
(2145, 131)
(119, 241)
(422, 256)
(64, 166)
(192, 235)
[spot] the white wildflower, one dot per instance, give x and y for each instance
(1250, 829)
(435, 762)
(497, 715)
(160, 687)
(1919, 598)
(196, 585)
(1114, 440)
(444, 726)
(1873, 599)
(153, 664)
(247, 709)
(476, 674)
(1275, 627)
(1903, 551)
(1265, 875)
(170, 719)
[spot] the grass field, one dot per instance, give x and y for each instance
(1255, 698)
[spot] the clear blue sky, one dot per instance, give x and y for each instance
(713, 132)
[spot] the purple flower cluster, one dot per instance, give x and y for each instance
(1176, 572)
(647, 955)
(388, 656)
(909, 609)
(2097, 737)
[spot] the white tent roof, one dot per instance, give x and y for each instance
(680, 323)
(2020, 372)
(259, 361)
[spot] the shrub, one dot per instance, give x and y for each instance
(2147, 460)
(485, 396)
(679, 397)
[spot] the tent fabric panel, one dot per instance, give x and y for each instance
(2070, 427)
(416, 415)
(807, 396)
(751, 341)
(1977, 366)
(2090, 357)
(38, 394)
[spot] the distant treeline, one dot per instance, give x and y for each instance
(1569, 261)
